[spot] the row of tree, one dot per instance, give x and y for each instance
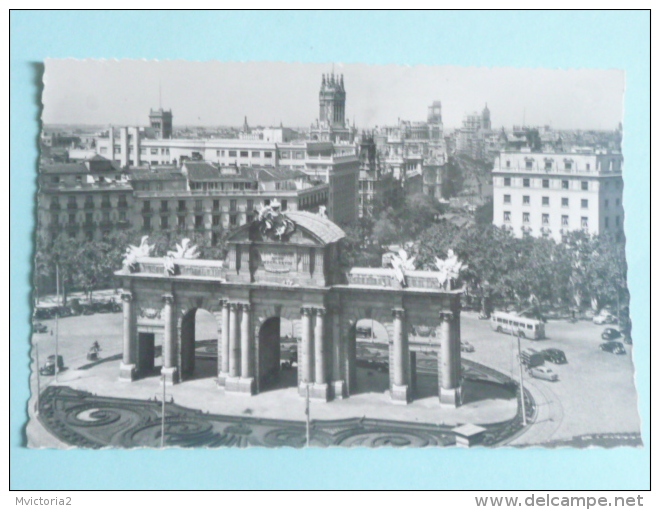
(85, 265)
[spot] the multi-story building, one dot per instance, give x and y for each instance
(331, 126)
(83, 200)
(551, 194)
(471, 138)
(209, 199)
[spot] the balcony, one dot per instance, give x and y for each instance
(89, 205)
(55, 207)
(106, 205)
(72, 207)
(122, 205)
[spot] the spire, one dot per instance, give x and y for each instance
(342, 82)
(246, 128)
(323, 80)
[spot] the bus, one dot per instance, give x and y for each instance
(517, 325)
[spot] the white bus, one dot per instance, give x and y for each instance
(516, 325)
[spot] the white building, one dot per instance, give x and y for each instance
(550, 194)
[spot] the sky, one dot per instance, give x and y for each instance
(121, 92)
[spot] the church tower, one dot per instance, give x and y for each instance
(485, 118)
(332, 101)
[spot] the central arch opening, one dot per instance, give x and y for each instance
(278, 354)
(372, 357)
(199, 345)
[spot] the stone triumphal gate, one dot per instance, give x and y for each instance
(286, 265)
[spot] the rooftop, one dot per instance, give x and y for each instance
(322, 227)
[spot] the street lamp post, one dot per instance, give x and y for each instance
(162, 418)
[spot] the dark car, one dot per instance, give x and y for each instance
(555, 356)
(49, 366)
(40, 327)
(613, 347)
(610, 334)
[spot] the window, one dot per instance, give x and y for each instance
(507, 216)
(164, 223)
(526, 183)
(284, 205)
(55, 179)
(154, 151)
(584, 221)
(564, 220)
(163, 205)
(250, 205)
(548, 164)
(103, 150)
(568, 165)
(181, 222)
(546, 183)
(525, 217)
(564, 184)
(256, 154)
(607, 203)
(232, 154)
(564, 201)
(545, 219)
(244, 154)
(507, 199)
(216, 220)
(198, 205)
(525, 199)
(507, 181)
(588, 166)
(528, 164)
(545, 201)
(585, 185)
(89, 218)
(285, 155)
(232, 204)
(607, 222)
(122, 215)
(216, 205)
(199, 221)
(584, 203)
(508, 164)
(233, 220)
(146, 221)
(72, 218)
(146, 206)
(268, 154)
(106, 216)
(182, 205)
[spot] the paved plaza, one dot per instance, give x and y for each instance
(595, 393)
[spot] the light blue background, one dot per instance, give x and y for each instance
(523, 39)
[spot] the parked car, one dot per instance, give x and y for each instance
(466, 346)
(556, 356)
(542, 372)
(613, 347)
(610, 334)
(39, 327)
(45, 313)
(49, 367)
(605, 317)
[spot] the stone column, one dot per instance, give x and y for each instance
(169, 369)
(449, 361)
(338, 377)
(320, 390)
(400, 388)
(127, 369)
(305, 361)
(246, 383)
(223, 350)
(231, 383)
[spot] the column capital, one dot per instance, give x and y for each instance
(223, 302)
(168, 299)
(398, 313)
(245, 307)
(446, 316)
(234, 306)
(320, 312)
(127, 296)
(306, 311)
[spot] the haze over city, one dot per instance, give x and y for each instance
(269, 93)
